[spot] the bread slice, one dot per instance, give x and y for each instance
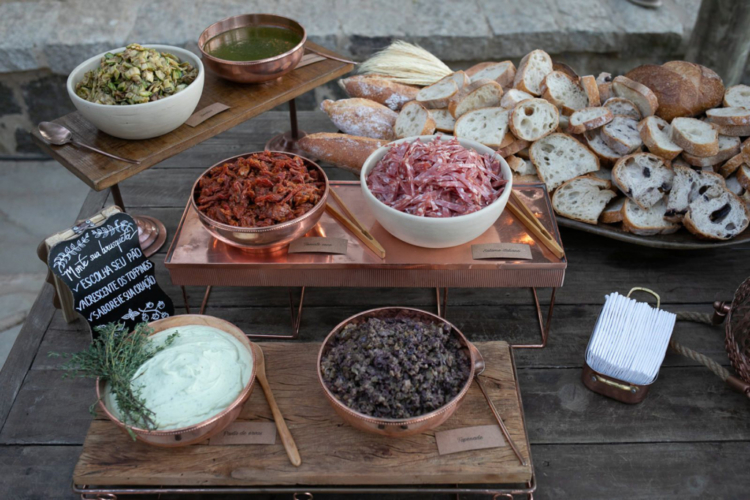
(444, 121)
(733, 130)
(525, 179)
(695, 137)
(719, 217)
(344, 151)
(728, 147)
(382, 90)
(413, 120)
(487, 126)
(656, 134)
(638, 93)
(603, 173)
(743, 176)
(513, 97)
(559, 158)
(623, 107)
(621, 134)
(604, 86)
(502, 72)
(531, 71)
(533, 119)
(646, 222)
(439, 93)
(734, 186)
(514, 147)
(582, 198)
(729, 116)
(520, 166)
(737, 96)
(613, 211)
(686, 186)
(604, 77)
(562, 91)
(732, 165)
(563, 123)
(361, 117)
(592, 90)
(643, 177)
(478, 94)
(600, 148)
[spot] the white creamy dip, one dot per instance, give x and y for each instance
(198, 376)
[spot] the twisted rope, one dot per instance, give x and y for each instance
(709, 363)
(695, 317)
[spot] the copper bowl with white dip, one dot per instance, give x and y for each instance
(188, 400)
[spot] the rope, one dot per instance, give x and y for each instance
(695, 317)
(709, 363)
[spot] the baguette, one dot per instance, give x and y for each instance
(531, 71)
(643, 177)
(345, 151)
(414, 120)
(533, 119)
(378, 89)
(502, 72)
(695, 137)
(487, 126)
(637, 93)
(728, 148)
(592, 90)
(646, 222)
(656, 135)
(621, 135)
(478, 94)
(559, 158)
(729, 116)
(361, 117)
(562, 90)
(582, 198)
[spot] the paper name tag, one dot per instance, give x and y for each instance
(515, 251)
(469, 438)
(204, 114)
(246, 433)
(317, 244)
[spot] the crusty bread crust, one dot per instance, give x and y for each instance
(520, 80)
(679, 137)
(342, 150)
(676, 95)
(514, 147)
(465, 100)
(732, 164)
(641, 95)
(592, 90)
(733, 130)
(652, 143)
(631, 227)
(361, 117)
(527, 109)
(505, 79)
(428, 126)
(612, 216)
(381, 90)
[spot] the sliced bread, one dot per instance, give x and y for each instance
(582, 198)
(361, 117)
(733, 130)
(559, 158)
(696, 137)
(342, 150)
(413, 120)
(592, 90)
(732, 164)
(622, 107)
(643, 177)
(737, 96)
(438, 94)
(613, 211)
(478, 94)
(531, 71)
(743, 176)
(533, 119)
(729, 116)
(603, 173)
(600, 148)
(520, 166)
(687, 184)
(563, 91)
(563, 123)
(728, 147)
(720, 217)
(589, 118)
(444, 121)
(734, 186)
(515, 146)
(621, 134)
(656, 135)
(487, 126)
(502, 72)
(640, 95)
(604, 86)
(513, 97)
(379, 89)
(646, 222)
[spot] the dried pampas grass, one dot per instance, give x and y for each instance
(406, 63)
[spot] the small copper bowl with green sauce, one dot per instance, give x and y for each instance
(252, 48)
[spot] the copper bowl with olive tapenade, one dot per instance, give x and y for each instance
(469, 359)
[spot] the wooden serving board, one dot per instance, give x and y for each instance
(245, 101)
(333, 453)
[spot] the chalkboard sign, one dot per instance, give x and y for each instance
(111, 279)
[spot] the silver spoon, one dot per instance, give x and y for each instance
(58, 135)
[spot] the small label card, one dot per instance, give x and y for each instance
(317, 244)
(204, 114)
(512, 251)
(246, 433)
(469, 438)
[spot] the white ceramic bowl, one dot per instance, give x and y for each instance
(140, 121)
(435, 232)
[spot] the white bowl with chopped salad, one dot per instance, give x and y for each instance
(436, 191)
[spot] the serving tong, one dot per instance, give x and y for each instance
(350, 221)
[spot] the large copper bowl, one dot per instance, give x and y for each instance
(408, 426)
(262, 238)
(204, 430)
(261, 70)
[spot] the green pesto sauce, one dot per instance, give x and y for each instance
(252, 43)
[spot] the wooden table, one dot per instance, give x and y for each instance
(690, 438)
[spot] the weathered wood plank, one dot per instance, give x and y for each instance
(37, 472)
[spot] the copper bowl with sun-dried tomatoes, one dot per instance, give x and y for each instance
(262, 200)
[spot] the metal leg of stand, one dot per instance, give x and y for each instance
(543, 326)
(205, 299)
(185, 300)
(151, 232)
(442, 311)
(293, 119)
(296, 313)
(117, 196)
(287, 141)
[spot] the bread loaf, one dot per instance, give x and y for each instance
(361, 117)
(342, 150)
(382, 90)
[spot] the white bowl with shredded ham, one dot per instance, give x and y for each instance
(436, 191)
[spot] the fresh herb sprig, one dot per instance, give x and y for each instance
(114, 356)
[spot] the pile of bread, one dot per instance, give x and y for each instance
(653, 149)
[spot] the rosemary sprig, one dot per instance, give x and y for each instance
(114, 356)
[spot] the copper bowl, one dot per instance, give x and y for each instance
(196, 433)
(261, 70)
(408, 426)
(262, 238)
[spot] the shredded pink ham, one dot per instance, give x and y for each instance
(436, 179)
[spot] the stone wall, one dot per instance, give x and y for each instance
(45, 40)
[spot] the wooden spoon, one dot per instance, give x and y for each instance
(286, 436)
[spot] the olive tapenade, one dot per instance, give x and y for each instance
(395, 368)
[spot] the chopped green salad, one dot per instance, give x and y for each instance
(135, 76)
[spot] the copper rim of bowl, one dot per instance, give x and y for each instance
(208, 35)
(239, 400)
(474, 356)
(239, 229)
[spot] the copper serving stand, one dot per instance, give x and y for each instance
(356, 462)
(195, 258)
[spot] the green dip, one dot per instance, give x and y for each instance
(252, 43)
